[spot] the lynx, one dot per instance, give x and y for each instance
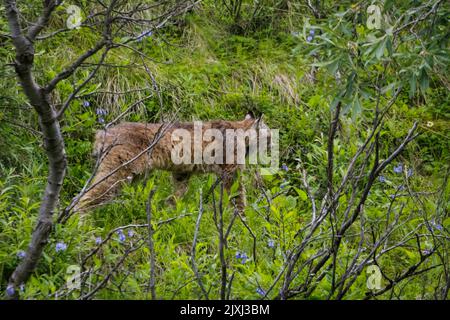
(124, 154)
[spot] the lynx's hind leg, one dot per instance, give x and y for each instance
(112, 173)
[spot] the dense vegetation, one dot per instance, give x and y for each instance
(317, 72)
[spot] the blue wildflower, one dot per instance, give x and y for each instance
(130, 233)
(426, 251)
(438, 226)
(101, 120)
(101, 112)
(409, 173)
(309, 39)
(21, 254)
(401, 188)
(260, 292)
(86, 103)
(382, 179)
(242, 256)
(312, 32)
(285, 167)
(271, 243)
(10, 290)
(398, 168)
(121, 236)
(60, 246)
(98, 240)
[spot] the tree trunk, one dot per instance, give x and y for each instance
(53, 145)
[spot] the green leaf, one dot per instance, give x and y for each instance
(412, 85)
(302, 194)
(380, 49)
(291, 202)
(424, 81)
(356, 108)
(446, 223)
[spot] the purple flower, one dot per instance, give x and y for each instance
(10, 290)
(309, 39)
(409, 173)
(101, 112)
(98, 240)
(261, 292)
(121, 236)
(130, 233)
(426, 251)
(242, 256)
(60, 246)
(398, 168)
(401, 188)
(21, 254)
(86, 103)
(285, 167)
(438, 226)
(271, 243)
(382, 179)
(312, 32)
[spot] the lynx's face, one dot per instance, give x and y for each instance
(258, 122)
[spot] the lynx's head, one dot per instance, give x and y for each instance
(258, 136)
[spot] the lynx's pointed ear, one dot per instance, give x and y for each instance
(258, 120)
(249, 116)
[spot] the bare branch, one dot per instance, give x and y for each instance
(151, 246)
(194, 246)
